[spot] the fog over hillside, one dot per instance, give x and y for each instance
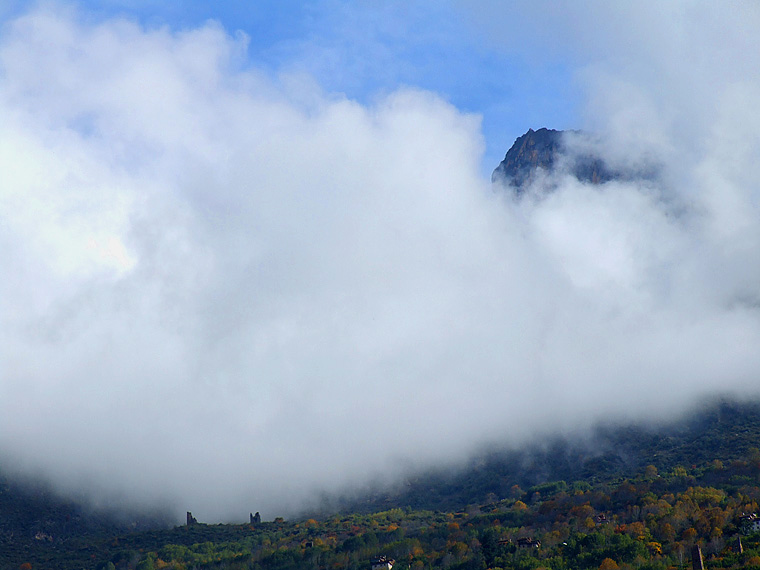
(227, 290)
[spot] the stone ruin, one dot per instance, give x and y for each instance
(697, 563)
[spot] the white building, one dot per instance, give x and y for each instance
(382, 563)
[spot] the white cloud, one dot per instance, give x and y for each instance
(229, 291)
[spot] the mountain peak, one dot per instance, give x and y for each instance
(546, 149)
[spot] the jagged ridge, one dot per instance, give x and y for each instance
(546, 149)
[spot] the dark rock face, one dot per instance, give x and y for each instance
(545, 149)
(533, 150)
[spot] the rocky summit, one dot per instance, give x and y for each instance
(546, 150)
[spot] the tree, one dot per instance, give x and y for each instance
(146, 564)
(689, 535)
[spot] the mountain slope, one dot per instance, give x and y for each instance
(721, 430)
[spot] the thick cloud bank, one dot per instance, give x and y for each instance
(229, 291)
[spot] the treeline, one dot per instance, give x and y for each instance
(647, 522)
(723, 430)
(631, 497)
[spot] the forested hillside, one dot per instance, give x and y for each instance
(642, 500)
(724, 430)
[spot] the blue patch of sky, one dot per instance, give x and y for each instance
(364, 48)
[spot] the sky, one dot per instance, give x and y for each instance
(251, 255)
(363, 50)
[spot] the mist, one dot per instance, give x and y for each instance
(225, 290)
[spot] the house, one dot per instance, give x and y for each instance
(749, 523)
(528, 543)
(382, 563)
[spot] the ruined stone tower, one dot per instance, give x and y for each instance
(696, 558)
